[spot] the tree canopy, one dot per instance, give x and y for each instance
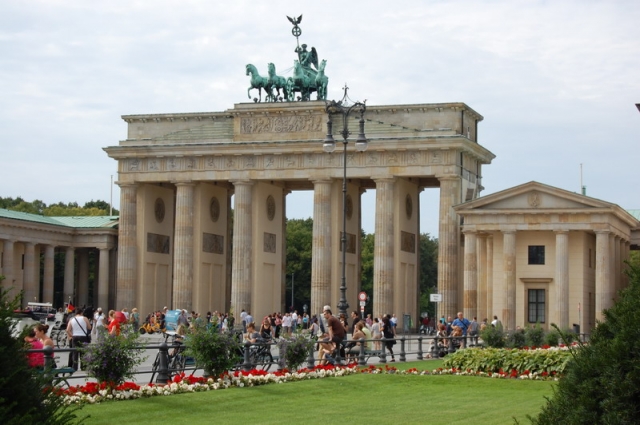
(602, 384)
(60, 209)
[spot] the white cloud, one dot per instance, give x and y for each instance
(555, 81)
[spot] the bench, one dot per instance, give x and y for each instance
(60, 376)
(372, 353)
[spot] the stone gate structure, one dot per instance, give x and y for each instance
(180, 245)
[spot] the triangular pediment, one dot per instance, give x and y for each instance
(532, 196)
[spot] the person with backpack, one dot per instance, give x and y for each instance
(389, 334)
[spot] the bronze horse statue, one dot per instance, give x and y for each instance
(301, 82)
(277, 82)
(258, 82)
(322, 81)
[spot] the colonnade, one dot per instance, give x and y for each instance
(481, 281)
(21, 269)
(396, 250)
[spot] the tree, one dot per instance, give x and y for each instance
(22, 399)
(428, 272)
(367, 242)
(602, 384)
(299, 233)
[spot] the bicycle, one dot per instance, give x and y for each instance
(260, 356)
(176, 360)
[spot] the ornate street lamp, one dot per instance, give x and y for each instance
(342, 108)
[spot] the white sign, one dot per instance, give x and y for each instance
(362, 296)
(436, 298)
(363, 303)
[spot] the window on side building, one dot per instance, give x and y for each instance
(536, 302)
(536, 254)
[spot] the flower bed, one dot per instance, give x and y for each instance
(534, 363)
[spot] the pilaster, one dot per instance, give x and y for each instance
(562, 279)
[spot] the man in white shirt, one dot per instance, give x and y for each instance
(294, 320)
(243, 316)
(286, 324)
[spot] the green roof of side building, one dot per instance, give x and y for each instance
(635, 213)
(74, 222)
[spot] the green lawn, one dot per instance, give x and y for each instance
(371, 399)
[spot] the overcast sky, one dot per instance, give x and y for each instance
(556, 81)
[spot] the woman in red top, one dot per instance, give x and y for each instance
(114, 325)
(35, 359)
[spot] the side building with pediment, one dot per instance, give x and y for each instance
(538, 254)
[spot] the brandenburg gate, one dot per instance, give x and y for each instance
(183, 244)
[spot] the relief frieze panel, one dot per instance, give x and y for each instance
(286, 124)
(282, 161)
(408, 242)
(212, 243)
(269, 243)
(158, 243)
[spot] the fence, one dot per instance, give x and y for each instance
(165, 365)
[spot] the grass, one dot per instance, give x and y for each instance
(372, 399)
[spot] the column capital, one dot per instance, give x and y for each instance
(242, 182)
(384, 180)
(127, 184)
(561, 232)
(470, 232)
(602, 232)
(184, 183)
(322, 180)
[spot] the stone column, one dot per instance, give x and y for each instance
(82, 296)
(242, 247)
(7, 267)
(321, 246)
(617, 269)
(625, 256)
(127, 274)
(470, 275)
(69, 277)
(31, 290)
(490, 312)
(603, 274)
(47, 287)
(383, 272)
(509, 269)
(562, 279)
(448, 241)
(481, 248)
(183, 248)
(103, 276)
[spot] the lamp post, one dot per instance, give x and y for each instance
(341, 108)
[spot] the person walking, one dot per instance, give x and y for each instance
(79, 332)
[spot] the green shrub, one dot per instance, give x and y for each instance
(113, 358)
(534, 335)
(22, 399)
(296, 350)
(602, 384)
(516, 339)
(216, 352)
(494, 360)
(493, 337)
(551, 338)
